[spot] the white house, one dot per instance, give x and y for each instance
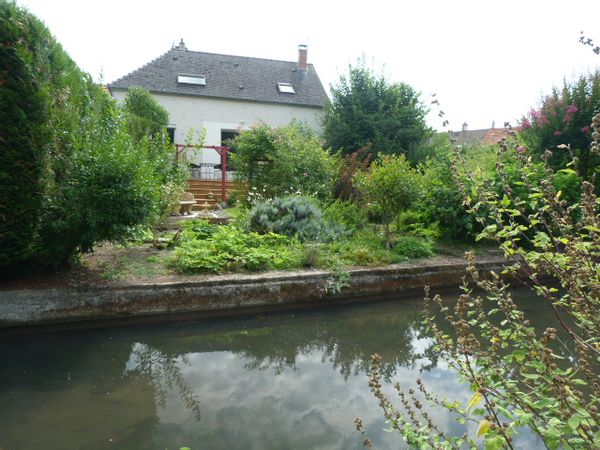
(223, 94)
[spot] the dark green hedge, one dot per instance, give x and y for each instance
(71, 173)
(24, 130)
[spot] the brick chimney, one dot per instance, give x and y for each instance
(302, 57)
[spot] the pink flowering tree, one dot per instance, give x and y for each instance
(562, 123)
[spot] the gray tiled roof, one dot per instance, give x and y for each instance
(225, 74)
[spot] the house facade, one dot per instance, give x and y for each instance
(224, 94)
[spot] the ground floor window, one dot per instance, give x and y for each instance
(227, 136)
(171, 134)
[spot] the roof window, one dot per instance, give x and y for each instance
(286, 88)
(199, 80)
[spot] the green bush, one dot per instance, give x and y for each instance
(111, 186)
(390, 186)
(275, 162)
(413, 247)
(419, 224)
(199, 229)
(348, 213)
(296, 217)
(230, 248)
(29, 63)
(364, 248)
(71, 174)
(441, 205)
(144, 116)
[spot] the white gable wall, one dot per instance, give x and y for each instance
(214, 115)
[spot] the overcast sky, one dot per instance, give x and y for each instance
(486, 60)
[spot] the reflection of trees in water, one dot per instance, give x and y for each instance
(345, 337)
(164, 374)
(346, 343)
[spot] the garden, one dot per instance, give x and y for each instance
(87, 186)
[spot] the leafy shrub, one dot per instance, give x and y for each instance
(418, 224)
(144, 116)
(441, 205)
(71, 174)
(274, 162)
(522, 379)
(413, 247)
(231, 248)
(390, 186)
(364, 248)
(296, 217)
(111, 186)
(410, 220)
(348, 213)
(199, 229)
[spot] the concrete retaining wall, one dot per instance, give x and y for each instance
(221, 293)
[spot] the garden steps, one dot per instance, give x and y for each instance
(203, 188)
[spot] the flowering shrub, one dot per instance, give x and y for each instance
(546, 382)
(564, 118)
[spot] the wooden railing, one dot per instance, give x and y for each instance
(208, 171)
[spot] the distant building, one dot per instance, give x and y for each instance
(225, 94)
(486, 136)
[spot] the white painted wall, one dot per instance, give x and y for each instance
(214, 115)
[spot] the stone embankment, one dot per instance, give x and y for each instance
(226, 294)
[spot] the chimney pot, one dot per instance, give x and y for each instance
(464, 127)
(303, 57)
(181, 45)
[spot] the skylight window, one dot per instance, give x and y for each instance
(199, 80)
(286, 88)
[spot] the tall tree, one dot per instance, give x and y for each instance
(368, 110)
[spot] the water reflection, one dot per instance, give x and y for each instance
(163, 372)
(287, 380)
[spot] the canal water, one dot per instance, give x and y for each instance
(283, 380)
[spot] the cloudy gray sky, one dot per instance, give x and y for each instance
(486, 60)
